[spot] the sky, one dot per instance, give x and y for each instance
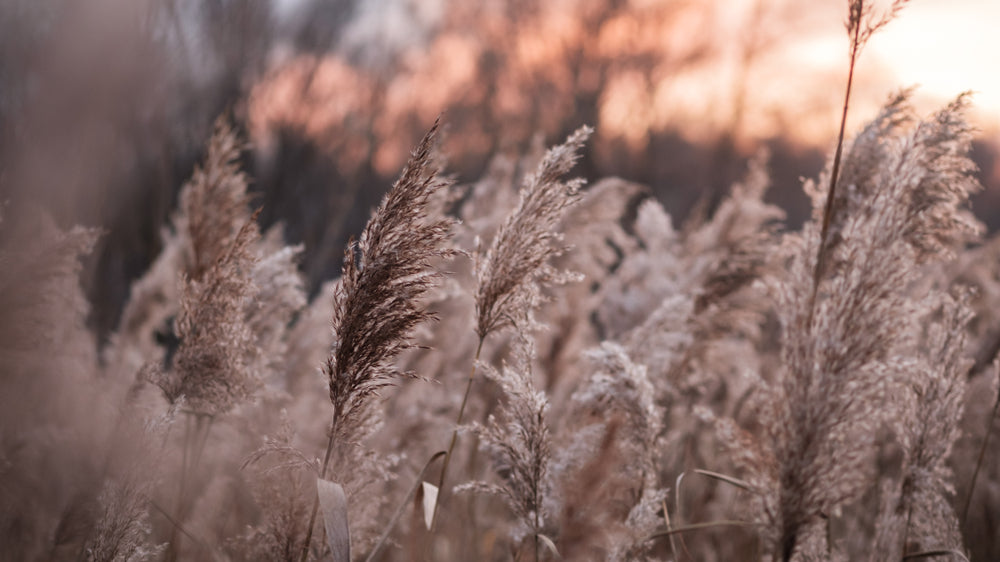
(947, 46)
(794, 89)
(944, 47)
(941, 47)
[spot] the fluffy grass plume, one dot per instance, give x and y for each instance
(518, 259)
(380, 299)
(847, 353)
(214, 363)
(510, 274)
(385, 278)
(519, 443)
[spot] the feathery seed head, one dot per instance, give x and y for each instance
(386, 275)
(509, 275)
(214, 363)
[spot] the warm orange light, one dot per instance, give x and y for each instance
(700, 82)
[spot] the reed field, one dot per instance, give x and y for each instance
(539, 363)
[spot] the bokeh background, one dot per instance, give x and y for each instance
(106, 105)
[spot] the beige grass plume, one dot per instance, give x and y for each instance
(380, 299)
(385, 277)
(509, 273)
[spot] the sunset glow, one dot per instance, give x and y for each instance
(947, 48)
(758, 69)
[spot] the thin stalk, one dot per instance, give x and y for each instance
(206, 425)
(939, 552)
(788, 544)
(537, 477)
(834, 174)
(179, 504)
(666, 521)
(829, 537)
(536, 540)
(906, 530)
(979, 462)
(194, 447)
(742, 484)
(454, 434)
(402, 507)
(537, 509)
(697, 526)
(180, 527)
(322, 474)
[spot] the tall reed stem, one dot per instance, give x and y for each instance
(174, 539)
(835, 172)
(787, 545)
(454, 434)
(537, 522)
(979, 461)
(322, 474)
(194, 447)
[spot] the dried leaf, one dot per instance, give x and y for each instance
(333, 502)
(549, 544)
(430, 499)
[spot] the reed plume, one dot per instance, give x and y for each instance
(214, 203)
(217, 352)
(846, 345)
(509, 275)
(380, 299)
(519, 443)
(385, 278)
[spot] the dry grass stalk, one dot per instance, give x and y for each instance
(215, 365)
(861, 24)
(379, 301)
(216, 352)
(510, 275)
